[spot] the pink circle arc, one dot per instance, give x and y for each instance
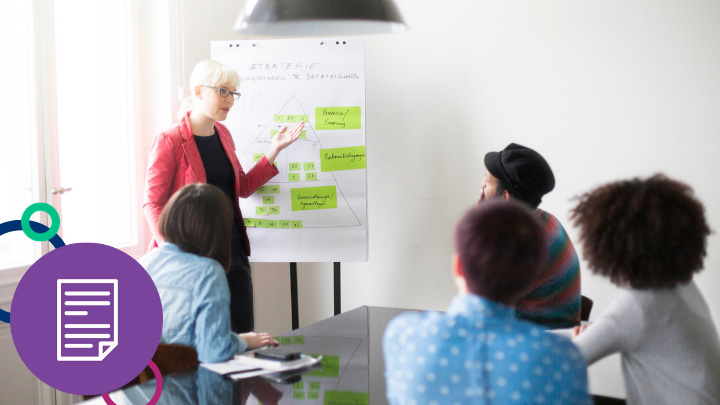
(158, 387)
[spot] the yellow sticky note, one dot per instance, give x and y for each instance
(337, 118)
(335, 159)
(268, 199)
(257, 156)
(294, 176)
(311, 176)
(275, 189)
(274, 210)
(313, 198)
(284, 224)
(249, 222)
(294, 166)
(261, 211)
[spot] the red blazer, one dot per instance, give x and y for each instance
(175, 161)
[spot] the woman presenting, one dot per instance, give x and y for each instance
(199, 149)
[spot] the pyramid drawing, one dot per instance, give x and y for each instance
(299, 167)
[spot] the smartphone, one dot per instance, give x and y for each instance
(277, 354)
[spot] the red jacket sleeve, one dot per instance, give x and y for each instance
(162, 168)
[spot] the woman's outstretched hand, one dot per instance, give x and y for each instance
(282, 140)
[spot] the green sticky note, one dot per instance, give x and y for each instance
(294, 166)
(313, 198)
(249, 222)
(298, 340)
(260, 223)
(291, 118)
(315, 386)
(277, 338)
(311, 176)
(284, 224)
(257, 156)
(299, 395)
(279, 118)
(298, 386)
(273, 132)
(294, 176)
(351, 158)
(304, 118)
(309, 166)
(330, 367)
(296, 224)
(260, 210)
(286, 340)
(274, 210)
(271, 223)
(313, 395)
(275, 189)
(268, 199)
(302, 135)
(262, 190)
(346, 398)
(337, 117)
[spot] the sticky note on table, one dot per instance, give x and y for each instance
(294, 176)
(279, 118)
(335, 159)
(284, 224)
(249, 222)
(309, 166)
(294, 166)
(257, 156)
(346, 397)
(313, 198)
(268, 199)
(274, 189)
(298, 340)
(311, 176)
(274, 210)
(262, 190)
(260, 210)
(330, 367)
(296, 224)
(337, 118)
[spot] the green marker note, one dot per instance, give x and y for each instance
(294, 176)
(346, 398)
(274, 210)
(302, 135)
(337, 118)
(260, 223)
(268, 199)
(298, 340)
(286, 340)
(330, 367)
(291, 118)
(304, 118)
(298, 386)
(315, 386)
(313, 198)
(313, 395)
(284, 224)
(279, 118)
(273, 132)
(260, 210)
(249, 222)
(296, 224)
(351, 158)
(275, 189)
(309, 166)
(299, 395)
(294, 166)
(257, 156)
(272, 223)
(312, 176)
(262, 190)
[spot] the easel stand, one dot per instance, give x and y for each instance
(294, 292)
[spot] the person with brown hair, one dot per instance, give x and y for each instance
(189, 269)
(650, 236)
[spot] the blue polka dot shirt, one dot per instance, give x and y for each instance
(478, 352)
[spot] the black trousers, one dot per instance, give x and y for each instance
(242, 318)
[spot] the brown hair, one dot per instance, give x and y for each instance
(501, 248)
(197, 219)
(645, 233)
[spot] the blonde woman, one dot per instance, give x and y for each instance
(199, 149)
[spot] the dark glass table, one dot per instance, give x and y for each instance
(351, 374)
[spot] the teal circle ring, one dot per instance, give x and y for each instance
(54, 220)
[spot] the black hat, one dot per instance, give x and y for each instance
(525, 172)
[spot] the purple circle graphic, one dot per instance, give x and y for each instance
(86, 318)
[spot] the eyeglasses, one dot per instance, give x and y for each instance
(223, 92)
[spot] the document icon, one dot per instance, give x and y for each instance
(87, 319)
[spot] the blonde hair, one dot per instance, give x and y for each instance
(208, 73)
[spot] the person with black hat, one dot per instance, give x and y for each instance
(520, 173)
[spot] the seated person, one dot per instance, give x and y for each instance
(522, 174)
(478, 351)
(649, 236)
(189, 272)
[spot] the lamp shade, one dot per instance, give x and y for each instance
(319, 17)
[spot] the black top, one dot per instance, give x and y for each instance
(219, 173)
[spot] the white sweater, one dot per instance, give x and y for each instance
(668, 343)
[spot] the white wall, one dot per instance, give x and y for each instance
(604, 90)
